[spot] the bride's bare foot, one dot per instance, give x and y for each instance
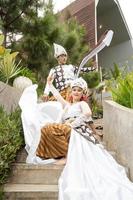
(61, 161)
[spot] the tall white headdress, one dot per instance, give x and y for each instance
(79, 82)
(59, 50)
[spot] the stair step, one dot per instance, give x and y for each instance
(21, 156)
(35, 174)
(33, 191)
(30, 192)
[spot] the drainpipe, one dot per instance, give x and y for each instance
(98, 67)
(96, 2)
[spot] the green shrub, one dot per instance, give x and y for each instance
(92, 79)
(122, 89)
(115, 72)
(26, 72)
(11, 139)
(97, 109)
(29, 74)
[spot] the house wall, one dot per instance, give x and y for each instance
(121, 49)
(108, 15)
(84, 11)
(121, 54)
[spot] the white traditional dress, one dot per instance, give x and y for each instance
(63, 76)
(90, 173)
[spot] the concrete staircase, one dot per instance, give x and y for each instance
(34, 182)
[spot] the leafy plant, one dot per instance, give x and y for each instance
(28, 73)
(123, 92)
(115, 72)
(97, 110)
(8, 66)
(11, 139)
(92, 79)
(122, 89)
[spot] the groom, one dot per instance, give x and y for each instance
(63, 74)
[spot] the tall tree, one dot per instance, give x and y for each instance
(12, 16)
(40, 33)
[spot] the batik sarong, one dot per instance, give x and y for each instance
(54, 141)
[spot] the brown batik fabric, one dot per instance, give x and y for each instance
(86, 132)
(60, 84)
(81, 125)
(54, 141)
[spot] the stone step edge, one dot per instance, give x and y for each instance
(21, 166)
(30, 188)
(17, 166)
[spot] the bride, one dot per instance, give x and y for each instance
(77, 116)
(90, 172)
(47, 126)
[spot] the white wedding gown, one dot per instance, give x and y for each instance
(90, 173)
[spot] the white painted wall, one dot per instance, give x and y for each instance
(122, 54)
(121, 49)
(118, 132)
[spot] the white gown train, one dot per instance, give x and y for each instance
(91, 173)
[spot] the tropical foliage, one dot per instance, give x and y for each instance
(92, 79)
(121, 86)
(122, 91)
(8, 66)
(26, 72)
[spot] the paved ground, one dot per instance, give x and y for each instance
(99, 125)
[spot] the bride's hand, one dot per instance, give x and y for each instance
(50, 79)
(69, 121)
